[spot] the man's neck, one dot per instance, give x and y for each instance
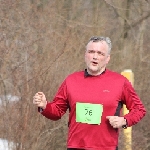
(96, 73)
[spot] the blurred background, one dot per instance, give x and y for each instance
(42, 41)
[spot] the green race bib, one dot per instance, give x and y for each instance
(89, 113)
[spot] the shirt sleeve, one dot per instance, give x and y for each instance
(57, 108)
(133, 103)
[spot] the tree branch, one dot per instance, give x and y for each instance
(138, 21)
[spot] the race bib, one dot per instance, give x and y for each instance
(89, 113)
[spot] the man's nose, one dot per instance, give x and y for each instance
(95, 56)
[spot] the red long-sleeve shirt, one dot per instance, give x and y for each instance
(109, 89)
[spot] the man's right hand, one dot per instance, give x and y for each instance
(39, 99)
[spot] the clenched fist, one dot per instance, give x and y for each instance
(116, 122)
(39, 99)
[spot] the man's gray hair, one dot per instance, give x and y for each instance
(101, 38)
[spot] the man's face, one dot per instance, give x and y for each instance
(96, 57)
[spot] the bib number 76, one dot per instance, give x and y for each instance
(88, 112)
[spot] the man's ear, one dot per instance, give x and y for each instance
(108, 59)
(85, 54)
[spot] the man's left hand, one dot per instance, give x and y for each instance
(116, 122)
